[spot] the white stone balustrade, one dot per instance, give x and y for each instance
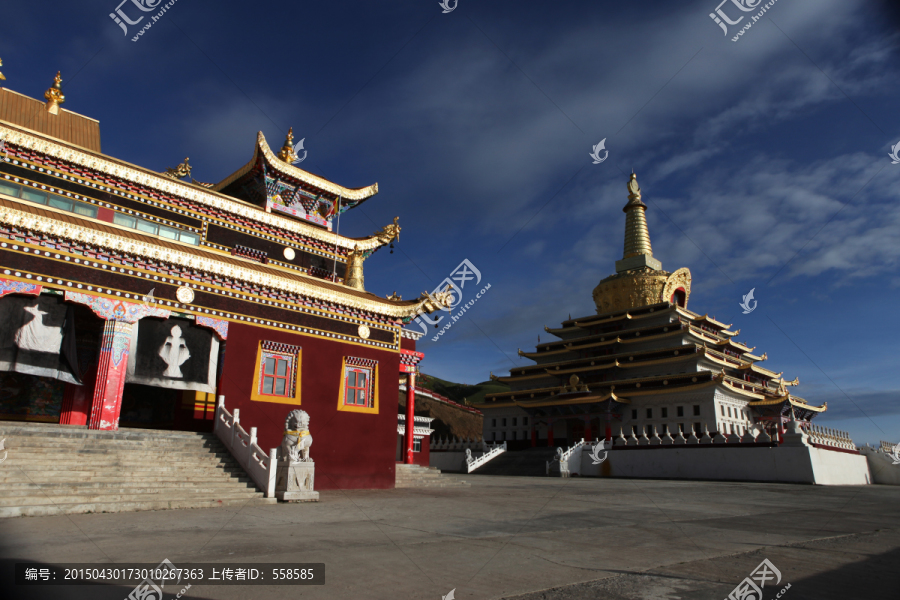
(473, 462)
(830, 437)
(259, 466)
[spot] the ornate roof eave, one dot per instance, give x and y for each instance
(732, 387)
(120, 169)
(795, 402)
(757, 369)
(687, 349)
(591, 399)
(263, 151)
(296, 283)
(705, 318)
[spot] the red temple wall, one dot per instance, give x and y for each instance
(422, 458)
(351, 450)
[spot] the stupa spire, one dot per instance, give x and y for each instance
(638, 251)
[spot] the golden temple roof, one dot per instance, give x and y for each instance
(263, 151)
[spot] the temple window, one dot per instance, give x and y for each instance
(649, 429)
(42, 197)
(681, 428)
(722, 409)
(493, 422)
(503, 422)
(514, 421)
(417, 444)
(634, 414)
(696, 410)
(151, 228)
(359, 385)
(665, 412)
(665, 428)
(649, 413)
(634, 430)
(524, 420)
(276, 377)
(698, 429)
(680, 411)
(357, 389)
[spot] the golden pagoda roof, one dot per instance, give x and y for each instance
(793, 400)
(119, 169)
(263, 151)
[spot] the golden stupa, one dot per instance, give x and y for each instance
(640, 279)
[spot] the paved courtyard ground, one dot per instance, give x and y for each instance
(505, 537)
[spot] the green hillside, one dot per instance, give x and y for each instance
(461, 392)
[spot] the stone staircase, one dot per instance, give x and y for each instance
(415, 476)
(523, 463)
(60, 469)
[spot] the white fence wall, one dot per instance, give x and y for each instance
(881, 465)
(795, 464)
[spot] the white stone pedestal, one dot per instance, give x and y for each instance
(294, 482)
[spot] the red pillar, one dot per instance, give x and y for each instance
(111, 367)
(410, 415)
(533, 434)
(549, 433)
(77, 400)
(587, 430)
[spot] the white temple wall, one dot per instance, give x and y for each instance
(789, 464)
(703, 400)
(732, 413)
(882, 466)
(839, 468)
(506, 424)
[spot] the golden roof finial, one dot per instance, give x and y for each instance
(634, 190)
(2, 78)
(287, 151)
(182, 170)
(54, 95)
(637, 251)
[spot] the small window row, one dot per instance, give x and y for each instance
(514, 421)
(152, 228)
(39, 196)
(43, 197)
(665, 412)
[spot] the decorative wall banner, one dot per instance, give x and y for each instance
(219, 325)
(8, 286)
(37, 337)
(116, 310)
(173, 353)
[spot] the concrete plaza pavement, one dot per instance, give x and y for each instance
(504, 537)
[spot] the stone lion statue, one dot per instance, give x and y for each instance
(297, 438)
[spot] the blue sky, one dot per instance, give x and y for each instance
(764, 161)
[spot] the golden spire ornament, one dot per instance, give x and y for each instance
(287, 151)
(2, 78)
(54, 95)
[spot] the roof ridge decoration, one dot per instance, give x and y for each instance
(262, 148)
(426, 303)
(109, 166)
(54, 95)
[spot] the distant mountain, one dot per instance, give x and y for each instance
(461, 392)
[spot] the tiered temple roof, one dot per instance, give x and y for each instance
(643, 341)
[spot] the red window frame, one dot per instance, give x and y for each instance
(274, 377)
(353, 390)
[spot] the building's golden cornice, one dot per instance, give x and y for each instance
(120, 243)
(157, 181)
